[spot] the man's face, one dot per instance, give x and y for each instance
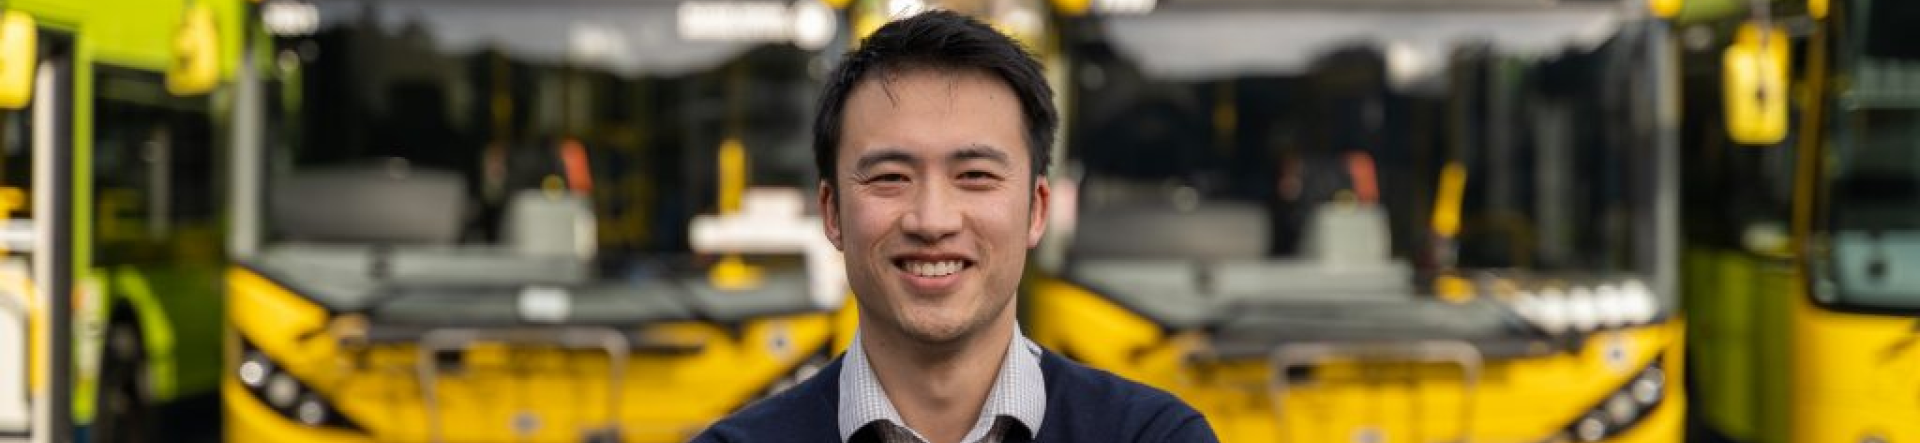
(936, 205)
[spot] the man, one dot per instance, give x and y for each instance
(932, 144)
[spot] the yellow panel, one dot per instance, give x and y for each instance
(196, 61)
(1524, 399)
(665, 397)
(1665, 8)
(18, 54)
(1071, 7)
(1755, 74)
(1446, 206)
(1854, 375)
(137, 33)
(733, 175)
(1697, 11)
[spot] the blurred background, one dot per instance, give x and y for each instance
(1359, 221)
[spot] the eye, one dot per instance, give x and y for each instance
(886, 181)
(977, 180)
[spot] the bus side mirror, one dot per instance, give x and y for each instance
(196, 53)
(19, 51)
(1754, 72)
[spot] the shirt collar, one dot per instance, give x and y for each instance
(1019, 392)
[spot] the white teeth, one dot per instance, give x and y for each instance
(933, 268)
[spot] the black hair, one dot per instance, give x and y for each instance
(939, 40)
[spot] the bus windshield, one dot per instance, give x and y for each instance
(617, 106)
(1872, 217)
(1325, 135)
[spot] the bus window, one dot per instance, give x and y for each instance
(1555, 183)
(446, 87)
(1872, 217)
(154, 172)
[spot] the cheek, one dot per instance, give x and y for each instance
(1004, 215)
(865, 220)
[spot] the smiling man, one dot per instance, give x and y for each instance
(932, 143)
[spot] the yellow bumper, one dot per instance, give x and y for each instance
(1520, 400)
(502, 392)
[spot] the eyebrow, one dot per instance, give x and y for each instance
(896, 155)
(887, 155)
(980, 152)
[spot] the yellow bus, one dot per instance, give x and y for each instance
(527, 221)
(1806, 309)
(1386, 221)
(110, 127)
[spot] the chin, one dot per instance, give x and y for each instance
(940, 337)
(936, 329)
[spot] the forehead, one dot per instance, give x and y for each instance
(932, 111)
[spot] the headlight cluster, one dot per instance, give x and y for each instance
(1584, 308)
(285, 394)
(1621, 410)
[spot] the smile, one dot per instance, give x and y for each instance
(932, 272)
(930, 268)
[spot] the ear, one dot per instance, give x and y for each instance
(830, 214)
(1037, 212)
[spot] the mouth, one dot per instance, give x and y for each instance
(931, 273)
(931, 267)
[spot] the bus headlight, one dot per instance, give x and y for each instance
(1582, 309)
(313, 411)
(254, 368)
(281, 390)
(1648, 387)
(285, 394)
(1626, 407)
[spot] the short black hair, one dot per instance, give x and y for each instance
(939, 40)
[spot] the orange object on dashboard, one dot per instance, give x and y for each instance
(573, 157)
(1366, 186)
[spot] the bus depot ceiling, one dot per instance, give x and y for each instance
(626, 37)
(1205, 40)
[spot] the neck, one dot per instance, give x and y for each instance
(939, 388)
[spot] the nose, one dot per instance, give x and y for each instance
(934, 216)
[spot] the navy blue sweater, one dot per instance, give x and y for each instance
(1083, 405)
